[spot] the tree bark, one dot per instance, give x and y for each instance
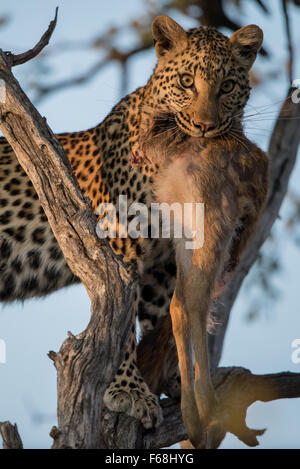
(10, 436)
(86, 363)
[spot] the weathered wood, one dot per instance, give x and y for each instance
(87, 363)
(10, 436)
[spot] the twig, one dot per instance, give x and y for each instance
(13, 60)
(43, 90)
(263, 7)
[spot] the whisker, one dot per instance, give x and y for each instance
(239, 137)
(270, 118)
(262, 109)
(161, 133)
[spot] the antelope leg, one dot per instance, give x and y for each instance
(183, 337)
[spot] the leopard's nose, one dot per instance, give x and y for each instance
(204, 126)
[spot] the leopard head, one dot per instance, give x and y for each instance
(202, 77)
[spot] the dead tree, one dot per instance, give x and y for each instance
(86, 363)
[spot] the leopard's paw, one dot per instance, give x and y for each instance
(139, 403)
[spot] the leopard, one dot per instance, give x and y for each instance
(196, 95)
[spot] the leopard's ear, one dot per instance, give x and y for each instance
(168, 36)
(246, 42)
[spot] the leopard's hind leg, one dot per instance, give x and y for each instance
(157, 354)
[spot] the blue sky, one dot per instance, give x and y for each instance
(28, 379)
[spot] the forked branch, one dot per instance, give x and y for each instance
(236, 389)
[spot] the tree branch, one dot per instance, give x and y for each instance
(113, 56)
(10, 436)
(237, 389)
(44, 90)
(12, 59)
(87, 363)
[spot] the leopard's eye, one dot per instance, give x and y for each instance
(186, 80)
(227, 86)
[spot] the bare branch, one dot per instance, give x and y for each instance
(45, 90)
(263, 6)
(237, 389)
(114, 56)
(13, 60)
(10, 436)
(213, 14)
